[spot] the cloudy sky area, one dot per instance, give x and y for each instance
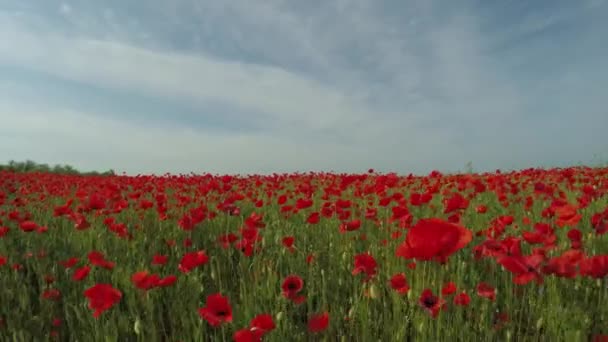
(243, 86)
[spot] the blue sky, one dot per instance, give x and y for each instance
(262, 86)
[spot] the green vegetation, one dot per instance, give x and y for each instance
(32, 166)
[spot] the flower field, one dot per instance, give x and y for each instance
(305, 257)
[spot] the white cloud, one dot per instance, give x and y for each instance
(65, 8)
(196, 78)
(93, 141)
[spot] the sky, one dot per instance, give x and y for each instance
(244, 86)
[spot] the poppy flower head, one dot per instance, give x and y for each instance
(98, 259)
(192, 260)
(399, 283)
(159, 259)
(247, 335)
(292, 285)
(448, 289)
(28, 226)
(313, 218)
(365, 263)
(263, 323)
(145, 281)
(525, 268)
(434, 239)
(462, 299)
(486, 291)
(318, 322)
(81, 273)
(431, 303)
(217, 310)
(288, 242)
(102, 297)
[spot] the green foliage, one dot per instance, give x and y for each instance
(468, 168)
(29, 166)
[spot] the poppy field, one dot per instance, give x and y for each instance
(511, 256)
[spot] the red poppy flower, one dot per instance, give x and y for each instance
(158, 259)
(80, 221)
(575, 237)
(288, 242)
(51, 294)
(431, 303)
(455, 202)
(313, 218)
(145, 281)
(318, 322)
(69, 263)
(56, 322)
(102, 297)
(566, 265)
(600, 338)
(263, 323)
(599, 222)
(247, 335)
(97, 259)
(217, 310)
(28, 226)
(448, 288)
(192, 260)
(291, 286)
(462, 299)
(481, 209)
(96, 202)
(81, 273)
(500, 319)
(525, 268)
(259, 326)
(594, 267)
(226, 240)
(303, 203)
(255, 221)
(399, 283)
(486, 291)
(167, 281)
(567, 215)
(434, 239)
(350, 226)
(365, 263)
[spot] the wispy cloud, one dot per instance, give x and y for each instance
(344, 85)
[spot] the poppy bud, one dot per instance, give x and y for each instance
(137, 327)
(373, 291)
(351, 312)
(539, 323)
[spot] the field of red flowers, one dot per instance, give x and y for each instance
(305, 257)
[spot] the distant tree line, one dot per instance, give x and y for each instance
(31, 166)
